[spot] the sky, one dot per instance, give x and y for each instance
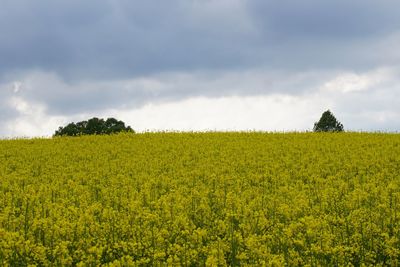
(199, 65)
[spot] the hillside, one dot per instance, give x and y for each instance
(196, 199)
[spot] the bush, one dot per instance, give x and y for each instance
(93, 126)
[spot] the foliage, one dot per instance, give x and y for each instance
(328, 123)
(93, 126)
(192, 199)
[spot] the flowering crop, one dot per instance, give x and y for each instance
(201, 199)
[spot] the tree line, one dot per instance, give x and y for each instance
(327, 123)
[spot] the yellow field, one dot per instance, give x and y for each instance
(201, 199)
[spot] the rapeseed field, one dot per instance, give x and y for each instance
(201, 199)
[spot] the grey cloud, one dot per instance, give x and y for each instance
(61, 97)
(124, 39)
(314, 34)
(332, 20)
(116, 38)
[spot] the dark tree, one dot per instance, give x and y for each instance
(71, 129)
(112, 125)
(328, 123)
(93, 126)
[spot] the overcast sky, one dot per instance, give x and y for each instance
(199, 64)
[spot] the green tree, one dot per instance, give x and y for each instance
(328, 123)
(93, 126)
(112, 125)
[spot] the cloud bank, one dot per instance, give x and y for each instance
(197, 65)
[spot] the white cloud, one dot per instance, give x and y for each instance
(16, 87)
(31, 119)
(267, 113)
(23, 107)
(352, 82)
